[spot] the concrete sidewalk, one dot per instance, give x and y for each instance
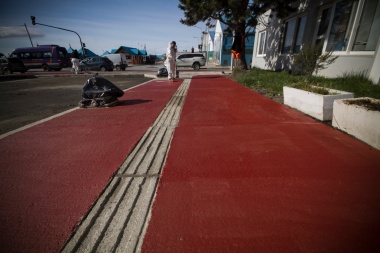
(243, 174)
(246, 174)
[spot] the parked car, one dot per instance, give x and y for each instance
(119, 60)
(193, 60)
(96, 63)
(17, 65)
(5, 67)
(10, 65)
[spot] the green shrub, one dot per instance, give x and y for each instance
(310, 59)
(271, 83)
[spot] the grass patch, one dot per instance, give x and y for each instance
(365, 102)
(313, 89)
(271, 83)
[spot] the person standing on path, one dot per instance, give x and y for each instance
(75, 61)
(170, 58)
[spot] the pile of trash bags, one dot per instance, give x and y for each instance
(99, 92)
(163, 72)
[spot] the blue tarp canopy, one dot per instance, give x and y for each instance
(89, 53)
(142, 52)
(105, 53)
(130, 50)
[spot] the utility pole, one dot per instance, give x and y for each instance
(28, 34)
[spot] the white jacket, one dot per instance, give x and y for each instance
(170, 53)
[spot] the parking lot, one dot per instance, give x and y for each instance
(27, 100)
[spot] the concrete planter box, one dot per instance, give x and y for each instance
(316, 105)
(357, 120)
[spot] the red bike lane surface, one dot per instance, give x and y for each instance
(52, 173)
(246, 174)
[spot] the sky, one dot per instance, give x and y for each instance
(102, 25)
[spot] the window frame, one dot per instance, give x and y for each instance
(297, 19)
(297, 35)
(355, 25)
(264, 44)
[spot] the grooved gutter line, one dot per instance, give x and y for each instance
(118, 219)
(182, 92)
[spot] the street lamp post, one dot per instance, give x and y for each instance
(80, 40)
(198, 37)
(198, 42)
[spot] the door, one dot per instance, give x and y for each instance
(181, 60)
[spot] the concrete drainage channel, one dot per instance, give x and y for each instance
(118, 220)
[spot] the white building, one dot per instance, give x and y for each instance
(223, 42)
(351, 28)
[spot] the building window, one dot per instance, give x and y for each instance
(369, 27)
(299, 37)
(341, 26)
(323, 26)
(293, 35)
(290, 27)
(349, 25)
(262, 43)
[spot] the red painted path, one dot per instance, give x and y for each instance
(245, 174)
(51, 173)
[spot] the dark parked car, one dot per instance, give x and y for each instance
(10, 65)
(17, 65)
(5, 67)
(96, 63)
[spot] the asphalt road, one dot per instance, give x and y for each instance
(25, 101)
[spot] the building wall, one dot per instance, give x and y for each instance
(270, 58)
(218, 43)
(226, 51)
(347, 62)
(375, 71)
(222, 46)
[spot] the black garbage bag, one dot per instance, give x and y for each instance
(99, 92)
(162, 72)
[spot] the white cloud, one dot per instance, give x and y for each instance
(18, 31)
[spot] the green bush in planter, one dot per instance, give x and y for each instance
(310, 59)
